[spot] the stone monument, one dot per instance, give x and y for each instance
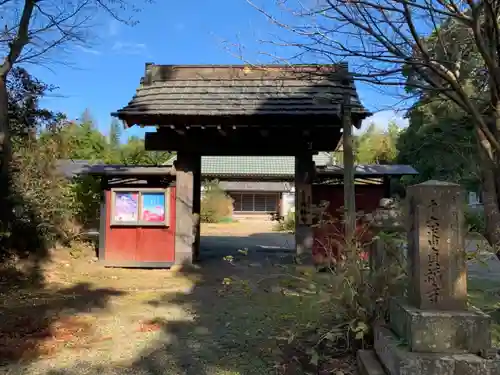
(433, 331)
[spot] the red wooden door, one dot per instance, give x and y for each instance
(155, 245)
(121, 244)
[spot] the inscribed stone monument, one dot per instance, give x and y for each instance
(433, 331)
(438, 273)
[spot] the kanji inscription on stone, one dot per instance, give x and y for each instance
(436, 251)
(433, 274)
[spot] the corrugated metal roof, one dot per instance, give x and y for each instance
(227, 90)
(72, 168)
(227, 166)
(371, 170)
(127, 170)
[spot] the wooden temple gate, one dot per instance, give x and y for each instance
(242, 110)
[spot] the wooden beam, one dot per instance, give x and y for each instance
(248, 141)
(177, 130)
(238, 120)
(221, 131)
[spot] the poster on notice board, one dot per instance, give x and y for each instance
(153, 207)
(126, 207)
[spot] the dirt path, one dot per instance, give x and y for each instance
(256, 238)
(226, 318)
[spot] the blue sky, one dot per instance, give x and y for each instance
(103, 77)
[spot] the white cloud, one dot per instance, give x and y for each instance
(88, 50)
(129, 48)
(383, 118)
(113, 27)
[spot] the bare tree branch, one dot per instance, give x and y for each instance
(447, 50)
(20, 39)
(31, 31)
(421, 45)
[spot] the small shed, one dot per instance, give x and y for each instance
(137, 223)
(372, 183)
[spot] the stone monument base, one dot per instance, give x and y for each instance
(393, 357)
(368, 363)
(437, 333)
(429, 331)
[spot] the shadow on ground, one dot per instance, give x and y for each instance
(250, 314)
(242, 316)
(242, 327)
(35, 318)
(32, 326)
(255, 245)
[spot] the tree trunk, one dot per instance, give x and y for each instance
(491, 208)
(489, 160)
(5, 146)
(5, 157)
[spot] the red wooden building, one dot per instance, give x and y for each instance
(372, 183)
(138, 211)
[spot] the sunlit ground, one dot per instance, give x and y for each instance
(248, 314)
(232, 316)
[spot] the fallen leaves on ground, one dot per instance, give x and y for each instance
(30, 337)
(149, 326)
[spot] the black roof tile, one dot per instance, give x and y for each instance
(225, 90)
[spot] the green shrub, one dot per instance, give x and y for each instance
(286, 224)
(47, 207)
(474, 220)
(41, 198)
(216, 205)
(365, 294)
(86, 200)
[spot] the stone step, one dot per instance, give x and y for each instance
(441, 331)
(396, 359)
(368, 363)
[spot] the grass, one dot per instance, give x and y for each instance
(484, 294)
(227, 220)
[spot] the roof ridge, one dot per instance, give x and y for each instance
(284, 66)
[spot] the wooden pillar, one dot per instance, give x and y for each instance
(387, 187)
(304, 175)
(349, 171)
(103, 219)
(187, 207)
(197, 204)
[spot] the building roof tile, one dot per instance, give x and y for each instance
(229, 90)
(254, 165)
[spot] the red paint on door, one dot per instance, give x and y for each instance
(140, 245)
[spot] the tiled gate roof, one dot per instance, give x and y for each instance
(235, 90)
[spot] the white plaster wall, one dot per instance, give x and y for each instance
(287, 202)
